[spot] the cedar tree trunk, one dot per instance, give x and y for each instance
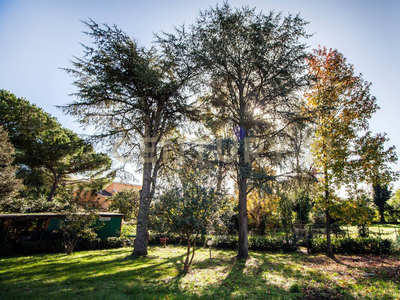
(142, 234)
(243, 247)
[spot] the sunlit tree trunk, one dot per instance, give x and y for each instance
(142, 234)
(329, 250)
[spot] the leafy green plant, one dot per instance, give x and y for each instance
(128, 229)
(126, 202)
(189, 209)
(76, 226)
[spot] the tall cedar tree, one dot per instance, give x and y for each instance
(42, 143)
(341, 105)
(252, 66)
(8, 183)
(133, 97)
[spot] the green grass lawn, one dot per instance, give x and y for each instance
(113, 274)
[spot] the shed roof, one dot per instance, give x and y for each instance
(48, 215)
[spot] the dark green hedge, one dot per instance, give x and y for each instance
(55, 246)
(271, 244)
(369, 245)
(231, 242)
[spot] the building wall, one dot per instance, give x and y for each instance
(116, 187)
(100, 202)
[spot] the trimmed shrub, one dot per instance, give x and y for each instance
(276, 244)
(369, 245)
(348, 245)
(231, 242)
(225, 241)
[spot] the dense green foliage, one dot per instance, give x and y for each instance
(45, 148)
(302, 207)
(126, 202)
(34, 203)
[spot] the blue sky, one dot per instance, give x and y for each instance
(39, 37)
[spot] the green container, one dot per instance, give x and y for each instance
(108, 226)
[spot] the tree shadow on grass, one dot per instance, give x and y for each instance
(245, 282)
(260, 277)
(73, 278)
(357, 274)
(373, 271)
(263, 276)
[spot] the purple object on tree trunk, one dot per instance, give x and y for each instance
(240, 133)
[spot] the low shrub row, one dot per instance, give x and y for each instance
(347, 245)
(55, 246)
(368, 245)
(231, 242)
(269, 244)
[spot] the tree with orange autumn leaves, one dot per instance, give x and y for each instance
(340, 105)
